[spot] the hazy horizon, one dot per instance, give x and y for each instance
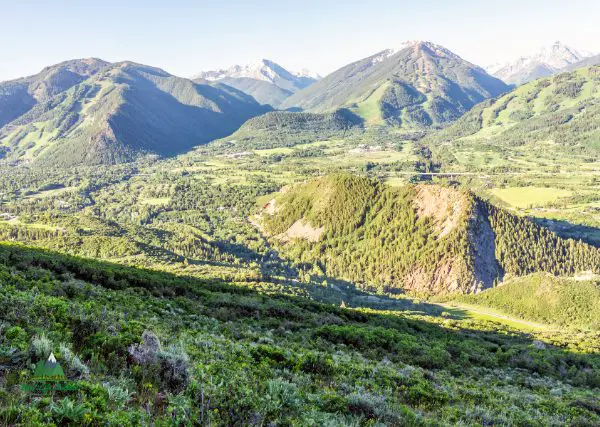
(187, 37)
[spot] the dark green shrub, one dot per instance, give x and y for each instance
(317, 364)
(17, 337)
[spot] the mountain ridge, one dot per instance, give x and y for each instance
(418, 86)
(123, 111)
(18, 96)
(587, 62)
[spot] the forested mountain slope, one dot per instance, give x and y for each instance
(122, 112)
(422, 85)
(144, 347)
(283, 128)
(557, 113)
(426, 239)
(20, 95)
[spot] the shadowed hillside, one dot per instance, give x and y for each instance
(122, 112)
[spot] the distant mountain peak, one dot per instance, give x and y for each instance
(407, 44)
(82, 65)
(417, 46)
(261, 69)
(558, 55)
(306, 73)
(263, 79)
(406, 86)
(544, 62)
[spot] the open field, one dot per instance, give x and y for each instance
(523, 197)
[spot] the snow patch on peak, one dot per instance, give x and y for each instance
(437, 49)
(383, 55)
(305, 73)
(495, 67)
(558, 55)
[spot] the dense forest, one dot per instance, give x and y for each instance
(391, 239)
(286, 128)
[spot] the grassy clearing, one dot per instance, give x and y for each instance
(156, 201)
(396, 181)
(543, 299)
(38, 225)
(478, 312)
(369, 109)
(273, 151)
(328, 146)
(523, 197)
(51, 193)
(480, 159)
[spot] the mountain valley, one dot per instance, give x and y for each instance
(408, 240)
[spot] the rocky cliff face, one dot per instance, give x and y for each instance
(485, 267)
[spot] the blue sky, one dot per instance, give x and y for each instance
(184, 37)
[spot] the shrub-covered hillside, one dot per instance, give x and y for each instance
(151, 348)
(424, 238)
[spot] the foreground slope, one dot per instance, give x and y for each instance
(425, 239)
(420, 85)
(145, 347)
(122, 112)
